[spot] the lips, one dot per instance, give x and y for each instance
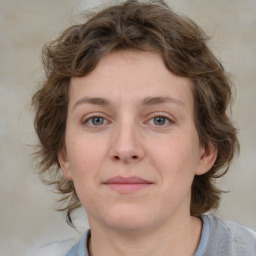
(127, 185)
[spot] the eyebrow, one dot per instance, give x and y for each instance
(148, 101)
(158, 100)
(93, 101)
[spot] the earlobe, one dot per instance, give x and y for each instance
(64, 164)
(207, 159)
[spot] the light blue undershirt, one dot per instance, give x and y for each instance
(204, 236)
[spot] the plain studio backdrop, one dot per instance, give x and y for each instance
(27, 216)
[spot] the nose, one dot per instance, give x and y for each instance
(126, 144)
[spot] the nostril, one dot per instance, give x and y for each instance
(116, 157)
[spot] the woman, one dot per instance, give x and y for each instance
(132, 126)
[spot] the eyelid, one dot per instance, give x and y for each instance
(161, 114)
(87, 117)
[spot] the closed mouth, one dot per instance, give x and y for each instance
(126, 185)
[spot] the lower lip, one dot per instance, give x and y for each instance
(128, 188)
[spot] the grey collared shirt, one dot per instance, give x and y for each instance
(219, 237)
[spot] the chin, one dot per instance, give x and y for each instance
(129, 220)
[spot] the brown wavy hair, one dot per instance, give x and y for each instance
(135, 25)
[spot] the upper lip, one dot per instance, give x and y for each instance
(126, 180)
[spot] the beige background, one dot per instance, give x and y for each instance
(27, 216)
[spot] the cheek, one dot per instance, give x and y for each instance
(176, 164)
(84, 158)
(176, 158)
(84, 166)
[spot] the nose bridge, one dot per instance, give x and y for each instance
(126, 143)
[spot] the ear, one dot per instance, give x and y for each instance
(64, 164)
(207, 159)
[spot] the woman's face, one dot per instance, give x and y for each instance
(132, 148)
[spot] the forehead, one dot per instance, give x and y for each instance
(131, 75)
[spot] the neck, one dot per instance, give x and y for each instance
(175, 238)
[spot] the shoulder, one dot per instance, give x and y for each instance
(231, 228)
(231, 238)
(57, 248)
(80, 248)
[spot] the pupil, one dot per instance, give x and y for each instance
(97, 120)
(159, 120)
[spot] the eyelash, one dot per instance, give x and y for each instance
(105, 121)
(167, 122)
(87, 120)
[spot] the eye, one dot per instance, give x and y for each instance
(160, 120)
(95, 121)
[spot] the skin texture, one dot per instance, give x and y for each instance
(132, 117)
